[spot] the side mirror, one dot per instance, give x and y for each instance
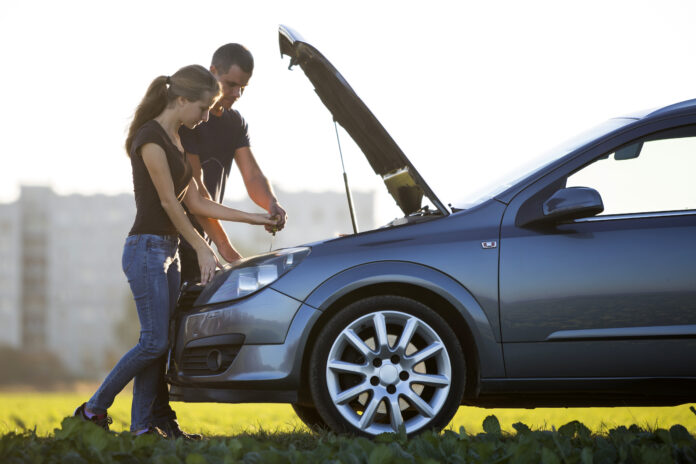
(573, 203)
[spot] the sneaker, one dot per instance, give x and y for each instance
(152, 430)
(173, 430)
(102, 420)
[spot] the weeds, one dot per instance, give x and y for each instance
(77, 441)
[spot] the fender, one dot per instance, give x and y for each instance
(381, 272)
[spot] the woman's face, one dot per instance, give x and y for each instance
(194, 112)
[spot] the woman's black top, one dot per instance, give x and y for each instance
(150, 217)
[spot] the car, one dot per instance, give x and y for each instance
(572, 284)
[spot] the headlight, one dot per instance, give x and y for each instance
(252, 275)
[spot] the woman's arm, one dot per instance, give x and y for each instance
(212, 227)
(201, 206)
(156, 163)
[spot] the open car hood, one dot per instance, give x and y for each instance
(403, 182)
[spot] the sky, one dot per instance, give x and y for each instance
(469, 90)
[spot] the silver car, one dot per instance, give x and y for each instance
(572, 285)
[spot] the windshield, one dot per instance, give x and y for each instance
(536, 163)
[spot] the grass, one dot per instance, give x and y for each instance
(33, 428)
(77, 441)
(44, 412)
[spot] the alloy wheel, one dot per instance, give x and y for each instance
(387, 370)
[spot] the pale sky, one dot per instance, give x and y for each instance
(467, 89)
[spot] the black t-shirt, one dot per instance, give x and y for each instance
(150, 217)
(215, 142)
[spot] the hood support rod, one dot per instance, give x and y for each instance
(345, 181)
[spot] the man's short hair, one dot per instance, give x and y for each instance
(233, 53)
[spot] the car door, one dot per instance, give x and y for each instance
(613, 295)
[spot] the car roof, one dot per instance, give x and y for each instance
(687, 106)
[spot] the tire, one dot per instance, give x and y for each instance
(310, 417)
(385, 363)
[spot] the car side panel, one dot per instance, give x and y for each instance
(600, 281)
(451, 245)
(598, 274)
(490, 353)
(651, 358)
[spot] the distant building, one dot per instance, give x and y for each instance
(88, 293)
(9, 275)
(34, 245)
(72, 289)
(312, 217)
(61, 284)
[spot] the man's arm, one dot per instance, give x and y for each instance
(212, 227)
(258, 187)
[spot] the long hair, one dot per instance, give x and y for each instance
(192, 82)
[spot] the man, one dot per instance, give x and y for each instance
(211, 147)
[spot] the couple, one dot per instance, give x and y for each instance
(181, 144)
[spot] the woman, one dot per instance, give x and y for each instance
(161, 180)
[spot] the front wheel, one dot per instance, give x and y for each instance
(384, 363)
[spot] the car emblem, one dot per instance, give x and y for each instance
(487, 245)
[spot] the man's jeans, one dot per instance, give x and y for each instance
(151, 264)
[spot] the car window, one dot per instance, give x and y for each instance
(508, 176)
(645, 176)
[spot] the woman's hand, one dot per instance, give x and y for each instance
(208, 262)
(205, 207)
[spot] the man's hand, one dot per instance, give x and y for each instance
(258, 187)
(275, 210)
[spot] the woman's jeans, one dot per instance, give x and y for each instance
(151, 263)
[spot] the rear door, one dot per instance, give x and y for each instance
(612, 295)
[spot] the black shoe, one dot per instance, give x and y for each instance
(173, 430)
(152, 430)
(102, 420)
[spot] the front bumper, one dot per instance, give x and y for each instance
(245, 351)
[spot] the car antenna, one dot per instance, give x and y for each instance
(345, 181)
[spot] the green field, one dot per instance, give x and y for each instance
(44, 411)
(33, 429)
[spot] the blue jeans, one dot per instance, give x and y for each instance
(151, 264)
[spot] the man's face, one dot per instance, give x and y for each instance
(233, 83)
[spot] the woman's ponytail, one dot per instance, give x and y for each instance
(192, 82)
(152, 104)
